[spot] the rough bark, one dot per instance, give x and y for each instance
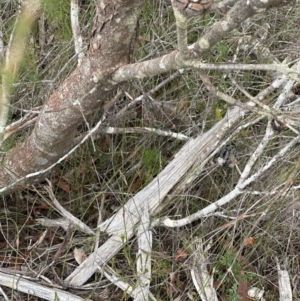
(84, 91)
(174, 60)
(97, 77)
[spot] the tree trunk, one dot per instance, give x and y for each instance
(84, 91)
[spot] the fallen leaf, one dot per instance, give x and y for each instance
(249, 241)
(79, 255)
(181, 255)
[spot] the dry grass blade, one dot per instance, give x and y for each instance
(202, 280)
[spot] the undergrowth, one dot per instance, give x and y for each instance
(104, 173)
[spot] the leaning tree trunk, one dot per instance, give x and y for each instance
(85, 90)
(94, 81)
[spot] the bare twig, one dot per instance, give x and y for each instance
(236, 15)
(137, 130)
(122, 223)
(234, 193)
(181, 26)
(143, 262)
(72, 219)
(76, 30)
(202, 280)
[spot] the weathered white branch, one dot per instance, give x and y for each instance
(143, 260)
(76, 30)
(181, 26)
(256, 154)
(234, 193)
(3, 294)
(17, 282)
(282, 68)
(59, 222)
(78, 224)
(111, 275)
(285, 289)
(137, 130)
(173, 61)
(123, 222)
(202, 280)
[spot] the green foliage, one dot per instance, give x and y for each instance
(229, 261)
(28, 67)
(58, 12)
(108, 174)
(230, 272)
(152, 160)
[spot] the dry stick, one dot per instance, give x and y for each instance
(112, 276)
(241, 11)
(59, 222)
(202, 280)
(181, 26)
(282, 68)
(195, 171)
(285, 91)
(174, 60)
(234, 193)
(123, 222)
(241, 183)
(273, 112)
(76, 30)
(27, 286)
(257, 153)
(73, 220)
(138, 130)
(3, 294)
(143, 260)
(285, 289)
